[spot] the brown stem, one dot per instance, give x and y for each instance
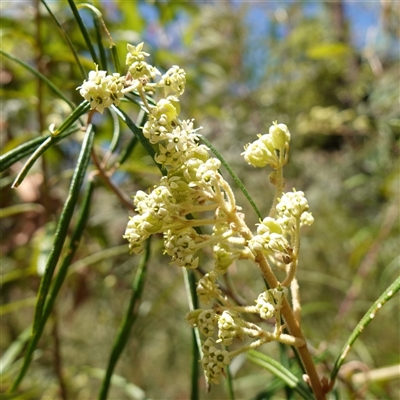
(125, 200)
(294, 329)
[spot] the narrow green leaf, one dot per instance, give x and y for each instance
(127, 150)
(365, 320)
(129, 319)
(102, 52)
(83, 108)
(16, 305)
(95, 258)
(23, 150)
(139, 134)
(232, 174)
(84, 31)
(229, 384)
(285, 361)
(134, 392)
(59, 279)
(50, 141)
(51, 85)
(281, 372)
(13, 351)
(31, 160)
(67, 39)
(116, 132)
(115, 58)
(63, 224)
(190, 286)
(16, 209)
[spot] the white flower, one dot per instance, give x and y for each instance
(173, 81)
(261, 153)
(264, 306)
(229, 327)
(207, 287)
(214, 361)
(181, 246)
(206, 322)
(135, 53)
(292, 204)
(102, 90)
(270, 240)
(141, 69)
(138, 68)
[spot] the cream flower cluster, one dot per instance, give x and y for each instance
(269, 149)
(102, 90)
(214, 360)
(138, 68)
(192, 186)
(194, 208)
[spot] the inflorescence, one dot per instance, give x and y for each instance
(194, 207)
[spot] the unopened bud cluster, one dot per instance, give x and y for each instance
(193, 198)
(269, 149)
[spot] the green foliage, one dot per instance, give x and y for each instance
(342, 104)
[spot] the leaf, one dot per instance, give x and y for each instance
(54, 88)
(67, 39)
(126, 324)
(84, 31)
(281, 372)
(365, 320)
(23, 150)
(74, 242)
(13, 350)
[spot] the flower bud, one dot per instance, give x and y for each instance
(280, 135)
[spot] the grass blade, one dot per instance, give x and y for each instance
(51, 85)
(281, 372)
(67, 39)
(129, 319)
(59, 279)
(232, 174)
(365, 320)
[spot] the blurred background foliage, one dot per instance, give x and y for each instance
(330, 71)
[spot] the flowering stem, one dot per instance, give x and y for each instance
(143, 97)
(104, 175)
(278, 191)
(294, 329)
